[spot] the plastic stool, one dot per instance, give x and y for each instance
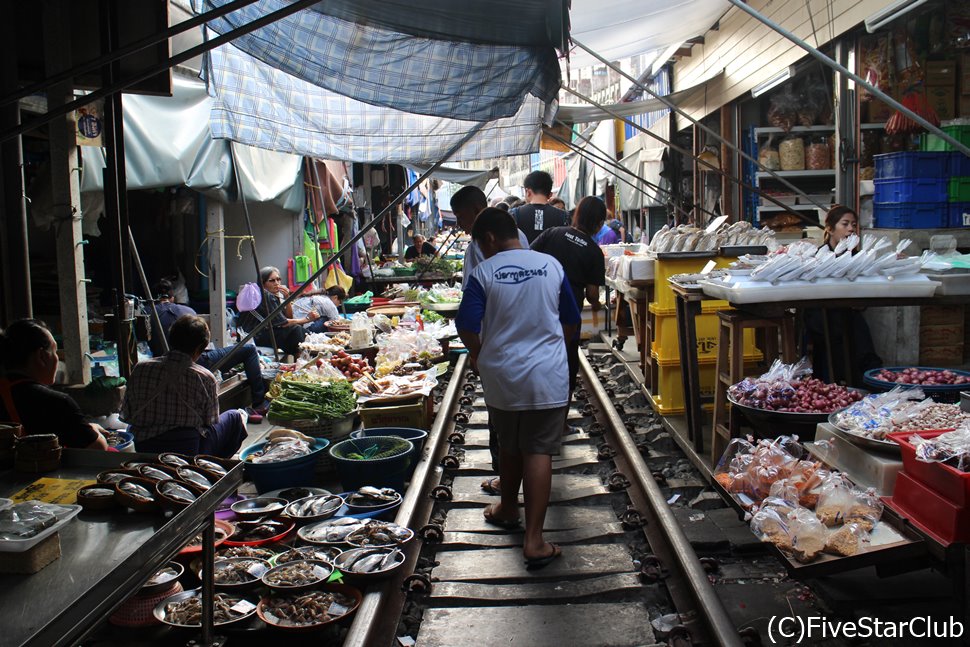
(730, 364)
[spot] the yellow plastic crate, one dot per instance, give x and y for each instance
(666, 340)
(664, 296)
(668, 390)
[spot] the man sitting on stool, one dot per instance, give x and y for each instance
(247, 355)
(172, 405)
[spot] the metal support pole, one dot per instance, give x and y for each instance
(115, 193)
(684, 151)
(847, 125)
(876, 92)
(214, 226)
(148, 290)
(353, 241)
(16, 264)
(707, 130)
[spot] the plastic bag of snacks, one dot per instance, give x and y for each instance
(848, 540)
(951, 448)
(808, 535)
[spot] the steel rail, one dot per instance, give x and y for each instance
(377, 618)
(137, 46)
(664, 534)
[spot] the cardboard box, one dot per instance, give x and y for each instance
(415, 415)
(593, 323)
(941, 355)
(941, 316)
(942, 335)
(942, 100)
(941, 73)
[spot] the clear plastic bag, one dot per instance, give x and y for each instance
(770, 526)
(952, 448)
(28, 519)
(848, 540)
(808, 535)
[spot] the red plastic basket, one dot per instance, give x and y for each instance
(930, 511)
(946, 481)
(139, 610)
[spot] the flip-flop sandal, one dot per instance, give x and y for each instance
(535, 563)
(491, 486)
(508, 524)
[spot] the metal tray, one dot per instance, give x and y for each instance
(882, 446)
(740, 250)
(663, 256)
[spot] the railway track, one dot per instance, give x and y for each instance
(625, 559)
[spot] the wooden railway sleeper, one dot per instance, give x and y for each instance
(617, 481)
(441, 493)
(432, 533)
(450, 462)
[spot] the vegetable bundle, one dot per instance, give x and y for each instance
(312, 401)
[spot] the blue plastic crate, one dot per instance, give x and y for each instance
(895, 166)
(911, 215)
(959, 214)
(914, 189)
(959, 165)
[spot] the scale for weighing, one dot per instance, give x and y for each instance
(867, 469)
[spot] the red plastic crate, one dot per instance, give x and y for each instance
(934, 514)
(946, 481)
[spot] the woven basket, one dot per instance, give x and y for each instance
(138, 610)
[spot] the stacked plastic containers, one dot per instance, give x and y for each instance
(912, 190)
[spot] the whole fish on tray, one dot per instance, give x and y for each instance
(314, 506)
(372, 496)
(379, 533)
(281, 449)
(369, 560)
(177, 492)
(332, 531)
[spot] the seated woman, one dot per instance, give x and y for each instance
(421, 247)
(172, 405)
(288, 331)
(326, 306)
(848, 331)
(29, 356)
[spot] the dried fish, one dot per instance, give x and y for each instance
(188, 612)
(314, 607)
(244, 551)
(300, 573)
(332, 531)
(137, 491)
(318, 553)
(178, 492)
(213, 467)
(153, 473)
(173, 459)
(193, 477)
(258, 529)
(99, 491)
(371, 496)
(379, 533)
(240, 570)
(314, 506)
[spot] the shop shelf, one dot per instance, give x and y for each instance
(930, 142)
(959, 189)
(891, 166)
(913, 189)
(959, 214)
(666, 346)
(947, 482)
(911, 215)
(933, 513)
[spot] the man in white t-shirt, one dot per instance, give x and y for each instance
(516, 312)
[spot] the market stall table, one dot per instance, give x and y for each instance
(637, 294)
(377, 283)
(105, 556)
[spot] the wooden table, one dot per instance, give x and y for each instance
(375, 283)
(638, 295)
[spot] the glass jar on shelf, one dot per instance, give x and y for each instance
(818, 154)
(791, 153)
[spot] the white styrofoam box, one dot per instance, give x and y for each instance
(866, 468)
(742, 290)
(642, 268)
(619, 248)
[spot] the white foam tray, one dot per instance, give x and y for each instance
(20, 545)
(742, 290)
(951, 283)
